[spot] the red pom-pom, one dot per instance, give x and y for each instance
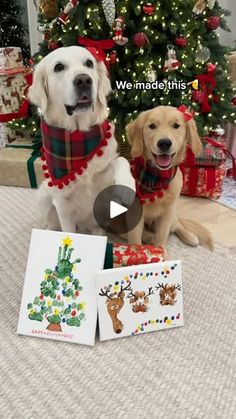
(99, 153)
(108, 134)
(67, 182)
(85, 165)
(142, 201)
(72, 177)
(213, 22)
(165, 187)
(50, 184)
(104, 142)
(108, 126)
(80, 171)
(46, 175)
(44, 167)
(43, 158)
(160, 194)
(152, 199)
(140, 39)
(60, 186)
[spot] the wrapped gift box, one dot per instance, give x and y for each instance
(204, 181)
(127, 255)
(213, 154)
(20, 165)
(15, 80)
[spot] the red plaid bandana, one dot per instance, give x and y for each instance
(151, 182)
(66, 154)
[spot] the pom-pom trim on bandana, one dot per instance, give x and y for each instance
(66, 154)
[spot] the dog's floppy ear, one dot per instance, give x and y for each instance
(134, 132)
(104, 84)
(38, 92)
(192, 137)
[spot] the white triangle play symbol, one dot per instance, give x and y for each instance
(116, 209)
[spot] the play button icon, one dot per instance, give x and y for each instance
(117, 209)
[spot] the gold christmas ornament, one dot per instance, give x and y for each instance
(48, 8)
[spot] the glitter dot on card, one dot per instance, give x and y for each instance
(136, 331)
(147, 274)
(145, 324)
(167, 272)
(141, 274)
(157, 320)
(160, 321)
(172, 267)
(172, 317)
(163, 273)
(168, 322)
(122, 282)
(117, 283)
(126, 277)
(156, 274)
(151, 273)
(149, 321)
(165, 276)
(165, 318)
(131, 276)
(175, 265)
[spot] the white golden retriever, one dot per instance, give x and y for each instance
(59, 92)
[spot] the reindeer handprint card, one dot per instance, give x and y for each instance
(59, 297)
(139, 299)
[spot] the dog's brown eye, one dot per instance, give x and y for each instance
(152, 126)
(59, 67)
(176, 126)
(89, 63)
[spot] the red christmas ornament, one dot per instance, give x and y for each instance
(140, 39)
(113, 57)
(198, 96)
(213, 22)
(149, 9)
(53, 45)
(216, 99)
(46, 36)
(233, 101)
(181, 41)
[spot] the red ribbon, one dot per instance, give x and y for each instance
(207, 83)
(97, 48)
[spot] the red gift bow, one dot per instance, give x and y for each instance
(207, 83)
(188, 113)
(97, 48)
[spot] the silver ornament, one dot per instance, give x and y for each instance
(109, 9)
(202, 54)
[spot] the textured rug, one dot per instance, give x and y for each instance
(186, 372)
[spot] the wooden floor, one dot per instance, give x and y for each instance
(220, 220)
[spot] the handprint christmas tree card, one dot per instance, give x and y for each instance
(139, 299)
(59, 296)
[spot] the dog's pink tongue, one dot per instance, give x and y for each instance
(163, 160)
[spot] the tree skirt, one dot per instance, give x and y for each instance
(185, 372)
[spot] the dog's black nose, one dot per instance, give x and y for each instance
(82, 80)
(164, 144)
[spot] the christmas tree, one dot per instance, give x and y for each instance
(12, 31)
(57, 302)
(171, 41)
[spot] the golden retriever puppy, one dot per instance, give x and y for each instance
(158, 140)
(70, 86)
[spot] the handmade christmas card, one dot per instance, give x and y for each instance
(59, 297)
(138, 299)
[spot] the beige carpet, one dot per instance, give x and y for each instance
(180, 373)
